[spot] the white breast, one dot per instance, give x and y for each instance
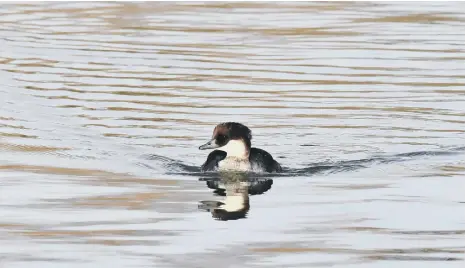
(234, 163)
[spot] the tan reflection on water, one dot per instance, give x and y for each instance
(103, 104)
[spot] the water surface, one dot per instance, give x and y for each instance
(103, 107)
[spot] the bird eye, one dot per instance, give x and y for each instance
(221, 139)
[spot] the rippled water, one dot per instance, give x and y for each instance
(104, 105)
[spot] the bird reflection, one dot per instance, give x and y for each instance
(236, 188)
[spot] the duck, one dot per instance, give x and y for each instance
(233, 151)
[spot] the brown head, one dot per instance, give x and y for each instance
(229, 137)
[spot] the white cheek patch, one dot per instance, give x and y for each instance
(235, 148)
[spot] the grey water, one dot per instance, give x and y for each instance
(103, 106)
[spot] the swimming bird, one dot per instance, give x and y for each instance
(234, 151)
